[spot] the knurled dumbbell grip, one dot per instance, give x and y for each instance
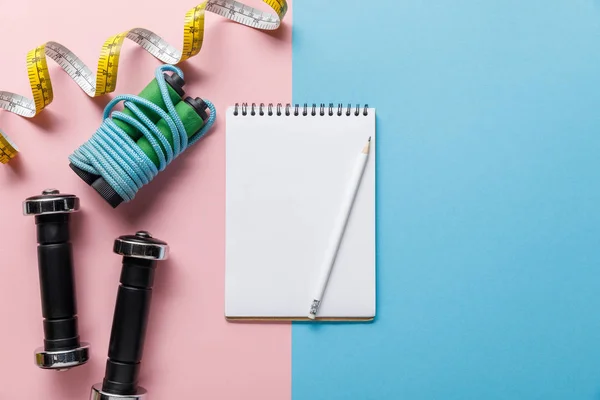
(57, 285)
(129, 326)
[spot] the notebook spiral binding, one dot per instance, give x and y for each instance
(296, 109)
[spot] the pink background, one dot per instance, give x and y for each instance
(190, 348)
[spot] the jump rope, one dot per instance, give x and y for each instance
(132, 146)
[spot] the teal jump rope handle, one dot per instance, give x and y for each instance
(193, 115)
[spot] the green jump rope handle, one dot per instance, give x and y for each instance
(152, 93)
(192, 113)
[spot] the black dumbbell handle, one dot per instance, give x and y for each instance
(129, 326)
(57, 286)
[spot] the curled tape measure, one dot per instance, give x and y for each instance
(105, 79)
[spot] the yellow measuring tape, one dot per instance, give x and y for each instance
(105, 79)
(7, 149)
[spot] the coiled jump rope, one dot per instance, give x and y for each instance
(133, 145)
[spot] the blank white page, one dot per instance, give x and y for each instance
(286, 177)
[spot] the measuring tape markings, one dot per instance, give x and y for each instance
(105, 80)
(7, 149)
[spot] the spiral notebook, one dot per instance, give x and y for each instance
(287, 167)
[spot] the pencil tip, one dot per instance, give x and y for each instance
(365, 149)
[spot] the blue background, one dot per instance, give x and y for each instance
(488, 197)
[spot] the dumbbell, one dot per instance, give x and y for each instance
(62, 349)
(140, 255)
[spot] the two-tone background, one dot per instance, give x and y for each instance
(488, 201)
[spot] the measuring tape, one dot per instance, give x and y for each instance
(105, 79)
(7, 149)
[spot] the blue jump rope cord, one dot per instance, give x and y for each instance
(111, 153)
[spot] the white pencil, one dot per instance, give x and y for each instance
(338, 230)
